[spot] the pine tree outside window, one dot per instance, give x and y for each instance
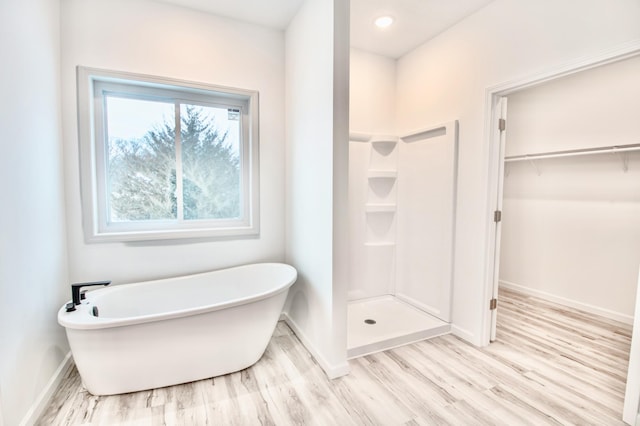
(166, 159)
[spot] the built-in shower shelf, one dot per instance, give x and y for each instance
(384, 139)
(382, 174)
(380, 208)
(384, 145)
(380, 244)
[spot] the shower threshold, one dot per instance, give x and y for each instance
(385, 322)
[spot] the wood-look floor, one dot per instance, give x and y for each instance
(549, 365)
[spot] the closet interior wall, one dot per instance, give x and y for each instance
(571, 225)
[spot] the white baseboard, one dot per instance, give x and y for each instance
(596, 310)
(43, 400)
(465, 335)
(332, 371)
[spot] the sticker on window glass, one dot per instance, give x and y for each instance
(234, 114)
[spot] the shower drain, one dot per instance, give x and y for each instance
(370, 321)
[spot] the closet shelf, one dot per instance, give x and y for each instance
(382, 174)
(575, 152)
(380, 208)
(621, 150)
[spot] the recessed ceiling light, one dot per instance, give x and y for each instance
(383, 21)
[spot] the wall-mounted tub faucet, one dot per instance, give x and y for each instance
(75, 293)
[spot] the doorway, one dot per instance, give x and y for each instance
(568, 190)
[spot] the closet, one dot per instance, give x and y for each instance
(570, 230)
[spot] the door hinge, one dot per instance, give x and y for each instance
(497, 216)
(502, 124)
(493, 304)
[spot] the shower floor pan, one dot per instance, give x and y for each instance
(385, 322)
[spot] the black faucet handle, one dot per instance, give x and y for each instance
(75, 289)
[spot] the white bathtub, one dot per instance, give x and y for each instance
(164, 332)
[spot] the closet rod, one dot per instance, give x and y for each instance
(575, 152)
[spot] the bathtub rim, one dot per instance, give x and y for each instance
(83, 319)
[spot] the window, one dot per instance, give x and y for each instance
(166, 159)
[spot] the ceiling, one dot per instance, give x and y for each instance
(416, 21)
(270, 13)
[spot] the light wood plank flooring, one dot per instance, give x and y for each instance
(549, 365)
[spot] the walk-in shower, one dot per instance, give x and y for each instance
(402, 192)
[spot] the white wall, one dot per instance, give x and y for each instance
(159, 39)
(446, 78)
(597, 107)
(573, 233)
(317, 143)
(33, 258)
(372, 88)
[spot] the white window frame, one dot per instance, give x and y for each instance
(91, 134)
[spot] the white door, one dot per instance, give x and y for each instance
(502, 117)
(632, 393)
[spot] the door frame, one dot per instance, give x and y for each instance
(501, 114)
(493, 112)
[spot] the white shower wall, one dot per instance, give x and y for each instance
(427, 169)
(402, 209)
(372, 233)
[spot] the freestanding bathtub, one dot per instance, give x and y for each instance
(160, 333)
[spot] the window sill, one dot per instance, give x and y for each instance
(178, 234)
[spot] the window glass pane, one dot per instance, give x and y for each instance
(210, 143)
(141, 159)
